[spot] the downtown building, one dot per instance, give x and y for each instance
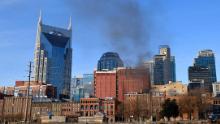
(81, 87)
(53, 57)
(163, 67)
(113, 80)
(203, 69)
(109, 61)
(121, 81)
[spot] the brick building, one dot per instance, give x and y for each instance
(108, 109)
(105, 84)
(36, 89)
(7, 91)
(118, 82)
(39, 109)
(89, 106)
(70, 109)
(132, 81)
(15, 108)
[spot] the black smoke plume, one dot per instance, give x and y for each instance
(127, 24)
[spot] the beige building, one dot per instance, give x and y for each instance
(171, 89)
(40, 109)
(67, 109)
(95, 119)
(70, 109)
(7, 90)
(216, 89)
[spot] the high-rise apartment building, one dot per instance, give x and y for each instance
(164, 66)
(109, 61)
(53, 57)
(203, 69)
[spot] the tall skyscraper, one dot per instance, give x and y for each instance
(53, 57)
(109, 61)
(164, 66)
(203, 69)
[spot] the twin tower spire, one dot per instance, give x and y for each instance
(69, 26)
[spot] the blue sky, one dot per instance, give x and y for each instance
(187, 26)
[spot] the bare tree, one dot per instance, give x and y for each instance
(188, 104)
(196, 101)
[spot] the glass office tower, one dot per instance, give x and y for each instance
(206, 58)
(164, 66)
(53, 57)
(204, 69)
(109, 61)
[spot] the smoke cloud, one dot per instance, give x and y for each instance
(127, 25)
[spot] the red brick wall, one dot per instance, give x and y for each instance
(124, 80)
(105, 85)
(132, 80)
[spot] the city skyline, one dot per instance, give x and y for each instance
(200, 27)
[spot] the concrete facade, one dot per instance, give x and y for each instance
(171, 89)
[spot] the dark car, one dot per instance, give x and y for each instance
(214, 117)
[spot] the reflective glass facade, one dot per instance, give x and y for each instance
(164, 67)
(80, 86)
(204, 68)
(53, 57)
(109, 61)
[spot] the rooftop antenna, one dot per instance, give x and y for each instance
(70, 23)
(40, 18)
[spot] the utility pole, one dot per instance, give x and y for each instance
(28, 90)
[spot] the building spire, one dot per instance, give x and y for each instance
(70, 23)
(40, 18)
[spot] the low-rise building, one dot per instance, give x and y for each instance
(216, 105)
(89, 106)
(40, 109)
(216, 89)
(108, 109)
(70, 109)
(67, 109)
(95, 119)
(36, 89)
(16, 108)
(171, 89)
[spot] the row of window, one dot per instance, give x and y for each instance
(217, 102)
